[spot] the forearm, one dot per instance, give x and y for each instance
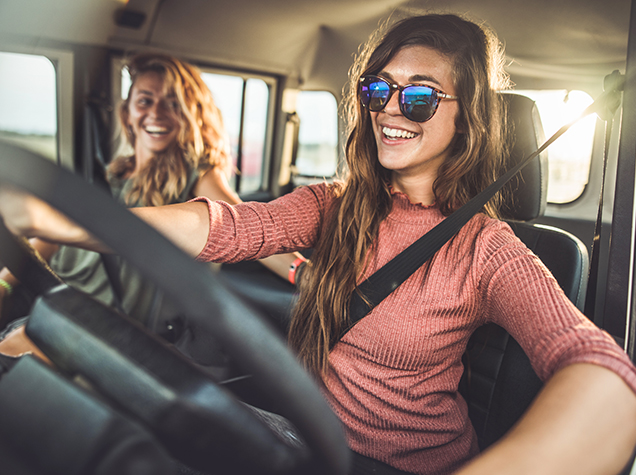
(26, 215)
(280, 264)
(186, 224)
(583, 422)
(17, 343)
(9, 278)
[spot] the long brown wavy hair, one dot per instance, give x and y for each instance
(364, 199)
(202, 143)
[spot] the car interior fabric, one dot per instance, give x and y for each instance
(90, 436)
(499, 382)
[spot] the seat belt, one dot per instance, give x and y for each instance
(111, 266)
(95, 156)
(615, 81)
(385, 280)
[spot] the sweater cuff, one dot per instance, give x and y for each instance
(204, 255)
(609, 357)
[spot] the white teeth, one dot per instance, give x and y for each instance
(397, 133)
(153, 129)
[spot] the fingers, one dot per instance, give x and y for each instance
(17, 343)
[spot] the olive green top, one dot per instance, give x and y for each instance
(85, 271)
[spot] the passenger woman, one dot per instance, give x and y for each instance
(392, 378)
(173, 147)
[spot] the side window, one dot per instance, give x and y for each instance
(570, 156)
(28, 103)
(245, 106)
(318, 135)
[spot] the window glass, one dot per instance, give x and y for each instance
(125, 83)
(255, 129)
(28, 103)
(318, 134)
(569, 157)
(227, 92)
(252, 116)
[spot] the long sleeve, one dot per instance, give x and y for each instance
(253, 230)
(523, 297)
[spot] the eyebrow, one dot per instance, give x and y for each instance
(151, 93)
(413, 79)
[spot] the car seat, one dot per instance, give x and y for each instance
(499, 383)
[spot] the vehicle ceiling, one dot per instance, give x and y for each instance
(570, 42)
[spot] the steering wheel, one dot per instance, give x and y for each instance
(249, 341)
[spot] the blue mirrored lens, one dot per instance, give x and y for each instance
(374, 94)
(418, 103)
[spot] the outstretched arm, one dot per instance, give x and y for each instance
(214, 186)
(185, 224)
(583, 422)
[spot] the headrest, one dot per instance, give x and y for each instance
(525, 195)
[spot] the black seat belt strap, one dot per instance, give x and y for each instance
(389, 277)
(111, 266)
(614, 81)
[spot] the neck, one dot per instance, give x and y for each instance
(419, 189)
(142, 157)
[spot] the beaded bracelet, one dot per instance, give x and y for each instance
(7, 286)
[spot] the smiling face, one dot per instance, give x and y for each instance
(153, 115)
(413, 151)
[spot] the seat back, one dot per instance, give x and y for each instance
(499, 383)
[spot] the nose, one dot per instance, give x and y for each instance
(159, 109)
(393, 106)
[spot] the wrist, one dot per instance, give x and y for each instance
(294, 269)
(5, 287)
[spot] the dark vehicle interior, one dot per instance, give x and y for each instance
(122, 399)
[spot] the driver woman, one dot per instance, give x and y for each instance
(173, 147)
(392, 378)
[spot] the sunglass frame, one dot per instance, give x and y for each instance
(437, 95)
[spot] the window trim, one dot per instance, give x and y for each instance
(63, 64)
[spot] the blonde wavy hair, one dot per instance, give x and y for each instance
(202, 143)
(364, 199)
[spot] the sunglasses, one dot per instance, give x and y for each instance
(417, 102)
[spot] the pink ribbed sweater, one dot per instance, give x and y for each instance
(393, 377)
